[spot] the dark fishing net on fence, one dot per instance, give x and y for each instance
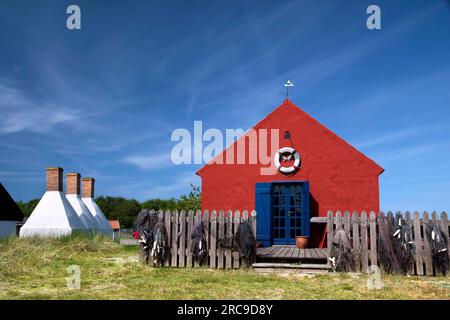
(438, 245)
(243, 241)
(199, 246)
(341, 255)
(226, 243)
(403, 243)
(385, 247)
(160, 250)
(145, 232)
(145, 222)
(142, 220)
(246, 243)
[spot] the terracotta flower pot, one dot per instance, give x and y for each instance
(301, 242)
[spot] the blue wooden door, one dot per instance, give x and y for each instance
(290, 212)
(263, 209)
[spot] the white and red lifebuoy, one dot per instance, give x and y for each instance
(287, 154)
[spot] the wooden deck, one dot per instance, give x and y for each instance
(290, 253)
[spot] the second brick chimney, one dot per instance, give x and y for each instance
(73, 183)
(54, 179)
(88, 187)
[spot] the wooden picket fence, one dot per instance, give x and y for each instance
(363, 232)
(218, 225)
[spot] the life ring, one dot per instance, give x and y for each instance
(279, 156)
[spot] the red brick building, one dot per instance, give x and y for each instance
(317, 172)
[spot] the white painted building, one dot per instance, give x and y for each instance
(74, 198)
(88, 199)
(53, 216)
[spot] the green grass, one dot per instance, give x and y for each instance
(36, 269)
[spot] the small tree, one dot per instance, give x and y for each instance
(27, 207)
(160, 204)
(118, 208)
(192, 201)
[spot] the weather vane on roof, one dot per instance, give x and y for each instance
(288, 85)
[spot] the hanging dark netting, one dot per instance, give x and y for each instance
(246, 243)
(160, 249)
(403, 243)
(226, 243)
(243, 241)
(152, 237)
(438, 246)
(341, 255)
(145, 238)
(199, 246)
(145, 223)
(142, 220)
(385, 247)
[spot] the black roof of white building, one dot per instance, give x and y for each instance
(9, 210)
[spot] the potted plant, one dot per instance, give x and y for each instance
(301, 242)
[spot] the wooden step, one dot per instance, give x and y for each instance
(291, 253)
(290, 268)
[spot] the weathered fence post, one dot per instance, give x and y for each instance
(174, 238)
(408, 221)
(329, 233)
(205, 218)
(426, 246)
(338, 220)
(149, 256)
(437, 223)
(254, 221)
(373, 239)
(444, 225)
(221, 235)
(229, 232)
(244, 216)
(364, 244)
(198, 217)
(356, 241)
(213, 245)
(167, 218)
(347, 223)
(190, 221)
(381, 222)
(182, 240)
(390, 217)
(236, 222)
(418, 242)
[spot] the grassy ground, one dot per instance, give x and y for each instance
(37, 269)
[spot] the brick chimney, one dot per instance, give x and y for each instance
(54, 179)
(73, 183)
(88, 187)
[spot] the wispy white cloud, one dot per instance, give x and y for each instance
(21, 176)
(386, 138)
(18, 113)
(148, 162)
(398, 153)
(383, 138)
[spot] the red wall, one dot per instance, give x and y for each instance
(341, 178)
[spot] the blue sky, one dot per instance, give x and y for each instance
(104, 100)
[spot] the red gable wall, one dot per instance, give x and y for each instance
(341, 178)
